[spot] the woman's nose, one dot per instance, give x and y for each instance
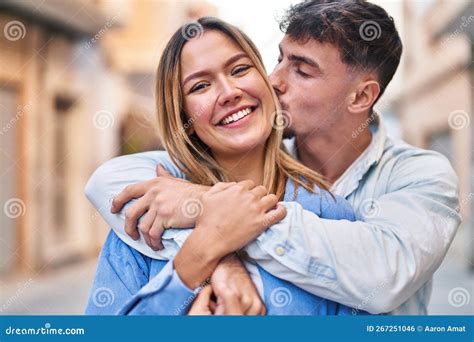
(229, 93)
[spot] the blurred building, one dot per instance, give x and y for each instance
(76, 89)
(434, 103)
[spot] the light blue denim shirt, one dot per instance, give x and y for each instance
(406, 206)
(130, 283)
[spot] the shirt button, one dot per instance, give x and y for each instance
(280, 250)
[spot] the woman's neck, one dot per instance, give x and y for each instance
(247, 166)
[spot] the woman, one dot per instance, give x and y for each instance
(216, 112)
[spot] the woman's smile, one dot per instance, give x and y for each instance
(238, 118)
(236, 100)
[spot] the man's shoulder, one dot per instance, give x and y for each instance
(403, 159)
(399, 152)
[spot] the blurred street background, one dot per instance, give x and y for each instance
(76, 89)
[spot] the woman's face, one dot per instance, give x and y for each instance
(226, 99)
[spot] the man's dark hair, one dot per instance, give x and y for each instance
(363, 32)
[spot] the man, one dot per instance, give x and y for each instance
(333, 67)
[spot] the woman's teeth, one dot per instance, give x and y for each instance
(237, 116)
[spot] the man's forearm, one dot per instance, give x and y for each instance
(352, 263)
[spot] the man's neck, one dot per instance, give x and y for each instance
(331, 155)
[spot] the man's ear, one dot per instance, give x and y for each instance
(364, 96)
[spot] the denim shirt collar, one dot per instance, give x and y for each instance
(350, 179)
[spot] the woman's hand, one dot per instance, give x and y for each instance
(233, 214)
(236, 213)
(203, 305)
(231, 275)
(227, 303)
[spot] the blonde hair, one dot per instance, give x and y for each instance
(189, 153)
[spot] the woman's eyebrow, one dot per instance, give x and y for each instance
(205, 72)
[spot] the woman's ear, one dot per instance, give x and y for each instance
(364, 96)
(190, 130)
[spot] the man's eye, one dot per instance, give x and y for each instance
(302, 74)
(240, 69)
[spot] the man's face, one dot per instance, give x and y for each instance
(313, 85)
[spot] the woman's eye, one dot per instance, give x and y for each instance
(197, 87)
(240, 69)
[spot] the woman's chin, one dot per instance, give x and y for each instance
(234, 149)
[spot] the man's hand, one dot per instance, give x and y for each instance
(233, 214)
(232, 283)
(164, 202)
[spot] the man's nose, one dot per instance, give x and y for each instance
(276, 81)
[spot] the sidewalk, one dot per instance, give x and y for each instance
(56, 292)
